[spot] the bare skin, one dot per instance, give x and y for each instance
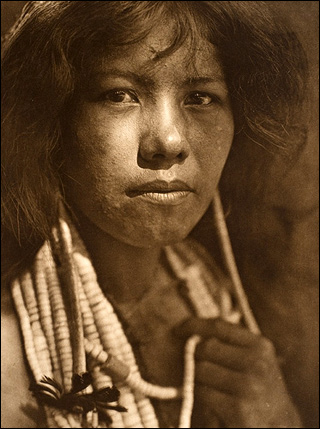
(140, 122)
(173, 122)
(124, 271)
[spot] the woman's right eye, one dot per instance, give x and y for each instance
(120, 96)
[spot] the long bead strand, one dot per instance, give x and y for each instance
(197, 290)
(60, 322)
(26, 330)
(39, 339)
(100, 380)
(45, 311)
(231, 265)
(72, 280)
(188, 382)
(146, 411)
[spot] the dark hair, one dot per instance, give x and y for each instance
(49, 50)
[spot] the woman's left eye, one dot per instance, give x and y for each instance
(121, 96)
(200, 99)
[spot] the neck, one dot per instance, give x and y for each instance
(124, 272)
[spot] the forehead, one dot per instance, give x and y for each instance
(150, 57)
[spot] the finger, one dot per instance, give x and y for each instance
(219, 378)
(220, 353)
(224, 331)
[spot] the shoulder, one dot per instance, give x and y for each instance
(18, 408)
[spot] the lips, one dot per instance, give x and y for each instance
(162, 192)
(160, 186)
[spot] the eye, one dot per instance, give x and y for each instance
(200, 99)
(120, 96)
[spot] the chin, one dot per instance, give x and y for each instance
(158, 238)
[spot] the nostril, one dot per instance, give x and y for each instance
(158, 156)
(161, 156)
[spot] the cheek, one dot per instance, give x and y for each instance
(103, 163)
(102, 148)
(212, 142)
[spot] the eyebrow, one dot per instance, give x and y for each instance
(114, 73)
(203, 79)
(147, 81)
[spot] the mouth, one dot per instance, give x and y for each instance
(162, 192)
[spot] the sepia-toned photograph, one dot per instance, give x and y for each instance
(159, 214)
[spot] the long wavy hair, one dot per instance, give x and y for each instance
(50, 50)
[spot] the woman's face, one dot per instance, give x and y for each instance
(149, 139)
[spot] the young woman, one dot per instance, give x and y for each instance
(119, 119)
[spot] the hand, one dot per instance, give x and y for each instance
(238, 378)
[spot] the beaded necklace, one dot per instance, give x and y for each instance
(69, 327)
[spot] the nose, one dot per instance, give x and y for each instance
(163, 141)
